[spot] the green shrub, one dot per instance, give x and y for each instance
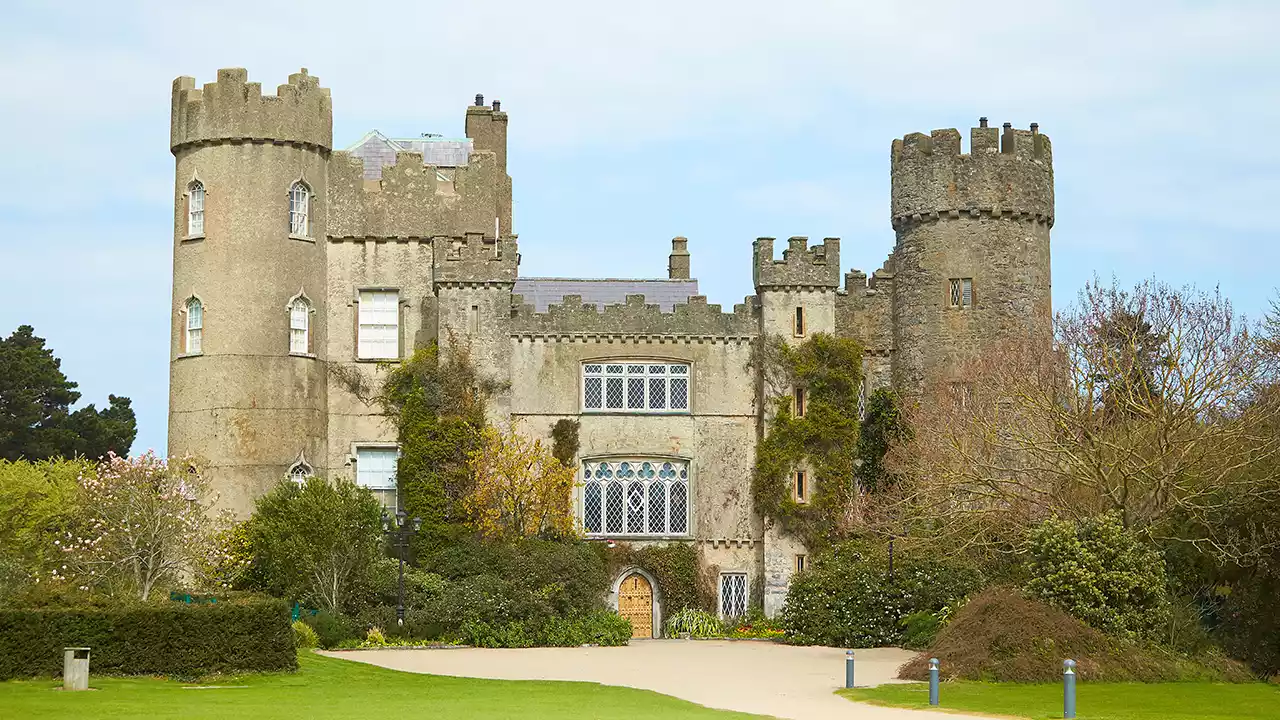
(849, 599)
(39, 502)
(697, 623)
(316, 542)
(332, 629)
(920, 628)
(598, 628)
(304, 637)
(1101, 573)
(230, 636)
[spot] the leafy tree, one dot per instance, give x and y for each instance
(316, 542)
(35, 400)
(1101, 573)
(39, 502)
(519, 490)
(146, 521)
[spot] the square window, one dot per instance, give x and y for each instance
(376, 470)
(378, 334)
(961, 292)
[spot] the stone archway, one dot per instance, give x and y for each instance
(627, 596)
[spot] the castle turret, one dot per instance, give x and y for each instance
(971, 262)
(247, 380)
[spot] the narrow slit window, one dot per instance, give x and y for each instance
(802, 486)
(799, 323)
(798, 402)
(801, 562)
(195, 327)
(473, 320)
(195, 209)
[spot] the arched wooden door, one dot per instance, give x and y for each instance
(635, 603)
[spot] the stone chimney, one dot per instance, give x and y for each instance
(678, 266)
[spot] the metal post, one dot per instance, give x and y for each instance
(848, 668)
(933, 681)
(400, 602)
(1068, 688)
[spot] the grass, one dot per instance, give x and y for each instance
(330, 688)
(1094, 701)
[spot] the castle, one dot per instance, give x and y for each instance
(290, 257)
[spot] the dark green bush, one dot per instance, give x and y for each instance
(332, 629)
(849, 599)
(598, 628)
(246, 635)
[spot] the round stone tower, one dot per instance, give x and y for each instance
(247, 386)
(971, 261)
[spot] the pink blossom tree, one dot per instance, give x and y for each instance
(147, 523)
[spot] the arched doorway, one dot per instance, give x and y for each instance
(635, 603)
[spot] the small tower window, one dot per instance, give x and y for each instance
(195, 209)
(299, 210)
(801, 562)
(798, 402)
(961, 292)
(799, 323)
(300, 471)
(299, 326)
(195, 326)
(802, 486)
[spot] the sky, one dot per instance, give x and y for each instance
(718, 121)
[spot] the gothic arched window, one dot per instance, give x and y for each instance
(299, 326)
(300, 471)
(195, 209)
(299, 210)
(195, 327)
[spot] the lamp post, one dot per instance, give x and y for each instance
(400, 535)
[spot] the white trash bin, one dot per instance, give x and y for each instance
(75, 668)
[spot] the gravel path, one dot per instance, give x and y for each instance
(755, 677)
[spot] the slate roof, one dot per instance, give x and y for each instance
(378, 151)
(541, 292)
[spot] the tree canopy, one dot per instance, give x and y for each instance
(36, 420)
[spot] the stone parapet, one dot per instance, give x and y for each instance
(572, 317)
(1002, 175)
(475, 259)
(235, 110)
(801, 266)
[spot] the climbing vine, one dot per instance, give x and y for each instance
(824, 441)
(564, 441)
(676, 568)
(881, 428)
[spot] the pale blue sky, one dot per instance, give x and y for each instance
(720, 121)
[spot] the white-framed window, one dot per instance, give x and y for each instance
(300, 471)
(376, 470)
(195, 209)
(961, 292)
(195, 327)
(635, 387)
(300, 210)
(635, 497)
(798, 327)
(378, 334)
(733, 594)
(299, 326)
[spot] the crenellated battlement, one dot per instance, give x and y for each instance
(475, 259)
(234, 109)
(634, 317)
(801, 265)
(1007, 174)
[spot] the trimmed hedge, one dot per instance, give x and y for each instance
(169, 639)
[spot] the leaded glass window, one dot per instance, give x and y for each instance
(961, 292)
(195, 209)
(635, 387)
(635, 497)
(733, 594)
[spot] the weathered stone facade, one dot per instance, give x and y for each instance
(256, 398)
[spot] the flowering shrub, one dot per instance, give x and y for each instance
(1100, 573)
(145, 521)
(849, 599)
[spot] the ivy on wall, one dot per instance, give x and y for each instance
(824, 440)
(676, 568)
(564, 441)
(882, 426)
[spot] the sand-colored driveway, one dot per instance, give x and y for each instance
(763, 678)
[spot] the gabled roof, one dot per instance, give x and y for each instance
(378, 151)
(541, 292)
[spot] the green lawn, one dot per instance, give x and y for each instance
(328, 688)
(1103, 701)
